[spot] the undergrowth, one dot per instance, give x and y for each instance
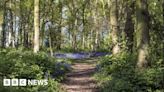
(22, 64)
(119, 74)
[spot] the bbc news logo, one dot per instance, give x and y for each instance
(24, 82)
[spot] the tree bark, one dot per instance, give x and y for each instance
(60, 26)
(36, 26)
(50, 41)
(11, 37)
(4, 26)
(11, 31)
(114, 26)
(142, 32)
(163, 30)
(1, 26)
(129, 27)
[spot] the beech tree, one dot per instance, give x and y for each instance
(36, 26)
(114, 25)
(142, 32)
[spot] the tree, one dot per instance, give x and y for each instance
(129, 25)
(36, 26)
(4, 24)
(142, 32)
(11, 29)
(114, 26)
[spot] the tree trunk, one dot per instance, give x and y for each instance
(11, 28)
(142, 32)
(83, 31)
(20, 25)
(50, 42)
(163, 21)
(42, 33)
(91, 40)
(83, 40)
(4, 26)
(36, 26)
(74, 36)
(74, 44)
(163, 30)
(129, 27)
(60, 27)
(26, 44)
(1, 26)
(114, 26)
(96, 43)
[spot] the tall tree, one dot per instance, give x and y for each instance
(36, 26)
(114, 25)
(4, 24)
(142, 32)
(129, 25)
(11, 30)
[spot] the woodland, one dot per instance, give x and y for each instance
(83, 45)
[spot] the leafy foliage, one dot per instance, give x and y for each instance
(26, 64)
(119, 74)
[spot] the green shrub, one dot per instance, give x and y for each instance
(25, 64)
(119, 74)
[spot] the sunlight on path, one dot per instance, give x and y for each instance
(80, 79)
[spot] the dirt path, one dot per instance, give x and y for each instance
(80, 79)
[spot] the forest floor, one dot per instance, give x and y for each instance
(80, 79)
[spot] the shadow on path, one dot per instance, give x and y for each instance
(80, 79)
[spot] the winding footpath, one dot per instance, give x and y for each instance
(81, 78)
